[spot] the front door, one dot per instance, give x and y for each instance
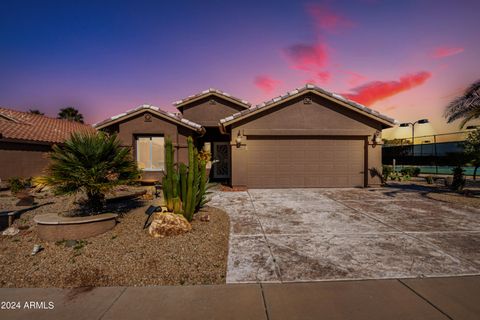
(221, 156)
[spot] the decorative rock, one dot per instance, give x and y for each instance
(36, 249)
(11, 231)
(168, 224)
(147, 196)
(205, 218)
(26, 199)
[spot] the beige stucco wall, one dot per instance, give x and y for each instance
(22, 160)
(209, 110)
(320, 118)
(137, 125)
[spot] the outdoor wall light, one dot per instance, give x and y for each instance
(376, 137)
(238, 140)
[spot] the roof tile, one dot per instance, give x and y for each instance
(167, 114)
(212, 90)
(304, 88)
(18, 125)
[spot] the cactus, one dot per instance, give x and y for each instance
(169, 181)
(185, 190)
(177, 203)
(203, 184)
(183, 181)
(196, 183)
(190, 179)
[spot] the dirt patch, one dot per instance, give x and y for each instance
(470, 196)
(455, 198)
(123, 256)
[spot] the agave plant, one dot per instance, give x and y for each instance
(92, 163)
(465, 107)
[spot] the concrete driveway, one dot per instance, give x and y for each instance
(284, 235)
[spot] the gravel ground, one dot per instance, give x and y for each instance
(123, 256)
(437, 191)
(455, 198)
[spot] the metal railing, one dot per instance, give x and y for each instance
(438, 152)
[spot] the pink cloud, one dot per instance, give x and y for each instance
(324, 76)
(266, 83)
(307, 57)
(378, 90)
(442, 52)
(327, 20)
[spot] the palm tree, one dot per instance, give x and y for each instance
(90, 163)
(70, 114)
(466, 107)
(36, 111)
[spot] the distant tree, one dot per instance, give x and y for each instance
(36, 111)
(396, 142)
(465, 107)
(472, 149)
(70, 114)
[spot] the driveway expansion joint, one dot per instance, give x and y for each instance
(425, 299)
(274, 261)
(113, 302)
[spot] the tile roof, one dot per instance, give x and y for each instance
(309, 87)
(156, 110)
(205, 93)
(25, 126)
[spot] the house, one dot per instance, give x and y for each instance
(26, 139)
(308, 137)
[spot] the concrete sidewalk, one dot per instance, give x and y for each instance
(432, 298)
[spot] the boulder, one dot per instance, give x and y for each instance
(168, 224)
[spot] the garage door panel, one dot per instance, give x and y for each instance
(305, 162)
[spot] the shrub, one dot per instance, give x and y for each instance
(458, 181)
(398, 176)
(386, 172)
(17, 184)
(92, 163)
(411, 171)
(204, 155)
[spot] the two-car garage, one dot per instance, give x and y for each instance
(308, 138)
(305, 162)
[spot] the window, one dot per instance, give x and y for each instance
(150, 153)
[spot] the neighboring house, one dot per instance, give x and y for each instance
(26, 139)
(306, 138)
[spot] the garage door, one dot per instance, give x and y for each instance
(305, 162)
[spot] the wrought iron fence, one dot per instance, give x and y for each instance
(437, 153)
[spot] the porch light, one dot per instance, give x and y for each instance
(238, 140)
(377, 138)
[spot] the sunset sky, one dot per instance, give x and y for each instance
(406, 59)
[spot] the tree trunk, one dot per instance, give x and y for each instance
(475, 173)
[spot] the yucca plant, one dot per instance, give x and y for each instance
(92, 163)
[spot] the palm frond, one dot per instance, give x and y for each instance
(466, 107)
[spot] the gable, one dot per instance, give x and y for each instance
(146, 123)
(152, 110)
(208, 110)
(339, 101)
(308, 114)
